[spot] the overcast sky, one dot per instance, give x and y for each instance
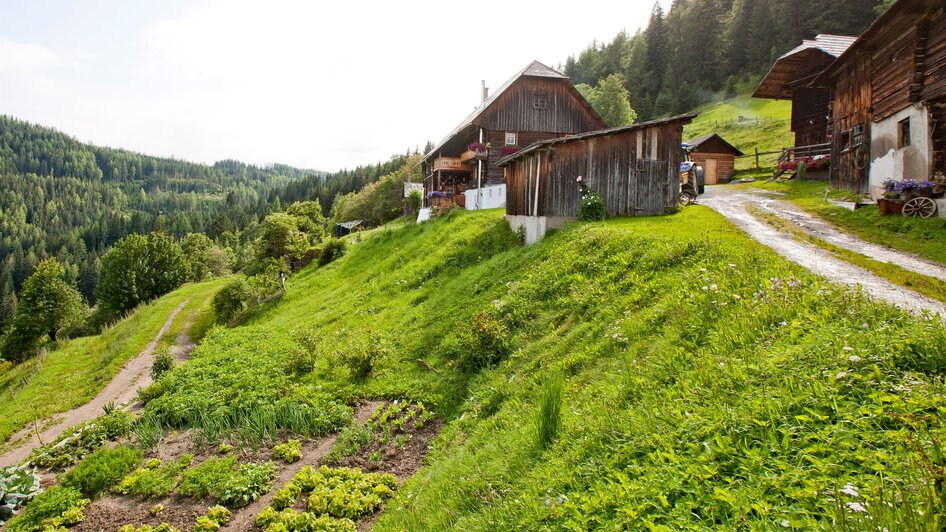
(296, 82)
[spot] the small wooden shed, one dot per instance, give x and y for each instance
(636, 169)
(716, 156)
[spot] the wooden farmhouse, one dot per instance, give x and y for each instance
(716, 156)
(538, 103)
(789, 79)
(889, 106)
(634, 168)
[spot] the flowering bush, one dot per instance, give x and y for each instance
(820, 162)
(591, 204)
(509, 150)
(905, 185)
(476, 146)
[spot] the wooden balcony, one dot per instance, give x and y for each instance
(472, 156)
(451, 164)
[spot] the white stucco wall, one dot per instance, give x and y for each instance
(911, 162)
(491, 197)
(535, 227)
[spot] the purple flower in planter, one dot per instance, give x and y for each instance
(476, 146)
(509, 150)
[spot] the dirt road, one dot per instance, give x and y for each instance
(122, 390)
(734, 203)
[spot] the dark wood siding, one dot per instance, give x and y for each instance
(852, 101)
(810, 109)
(892, 74)
(934, 57)
(631, 183)
(515, 110)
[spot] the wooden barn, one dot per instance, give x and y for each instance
(790, 77)
(634, 168)
(889, 119)
(716, 156)
(538, 103)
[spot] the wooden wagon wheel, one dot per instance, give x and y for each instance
(919, 207)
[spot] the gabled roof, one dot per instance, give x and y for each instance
(805, 60)
(696, 143)
(685, 119)
(534, 69)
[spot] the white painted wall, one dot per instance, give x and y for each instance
(491, 197)
(424, 214)
(911, 162)
(535, 227)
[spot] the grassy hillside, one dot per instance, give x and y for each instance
(766, 126)
(78, 369)
(705, 381)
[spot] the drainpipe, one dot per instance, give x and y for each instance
(479, 171)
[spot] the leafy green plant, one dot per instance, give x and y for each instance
(163, 362)
(332, 249)
(18, 486)
(484, 344)
(549, 419)
(249, 483)
(289, 452)
(233, 299)
(210, 477)
(147, 429)
(56, 507)
(71, 446)
(216, 517)
(335, 499)
(163, 527)
(101, 470)
(155, 479)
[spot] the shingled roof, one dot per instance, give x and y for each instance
(804, 61)
(533, 69)
(697, 142)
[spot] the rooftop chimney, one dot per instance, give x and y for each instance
(485, 91)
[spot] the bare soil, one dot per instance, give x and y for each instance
(110, 513)
(733, 203)
(120, 390)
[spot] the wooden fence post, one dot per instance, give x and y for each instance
(757, 158)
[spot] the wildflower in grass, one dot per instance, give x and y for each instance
(841, 375)
(854, 359)
(856, 506)
(848, 348)
(851, 490)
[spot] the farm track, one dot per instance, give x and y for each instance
(735, 204)
(121, 390)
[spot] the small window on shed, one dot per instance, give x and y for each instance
(511, 139)
(903, 133)
(540, 101)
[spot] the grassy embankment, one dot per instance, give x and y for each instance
(766, 127)
(73, 372)
(705, 382)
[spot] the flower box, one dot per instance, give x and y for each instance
(888, 207)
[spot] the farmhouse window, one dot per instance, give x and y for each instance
(903, 133)
(511, 139)
(540, 101)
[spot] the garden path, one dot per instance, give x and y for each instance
(735, 203)
(121, 390)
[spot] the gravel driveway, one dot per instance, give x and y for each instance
(734, 202)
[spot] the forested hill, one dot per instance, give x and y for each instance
(70, 200)
(701, 48)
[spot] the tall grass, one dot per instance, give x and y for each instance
(550, 410)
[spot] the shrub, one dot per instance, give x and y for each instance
(163, 362)
(332, 248)
(70, 447)
(591, 206)
(233, 299)
(361, 353)
(486, 343)
(208, 478)
(101, 470)
(55, 507)
(155, 479)
(550, 411)
(18, 486)
(289, 452)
